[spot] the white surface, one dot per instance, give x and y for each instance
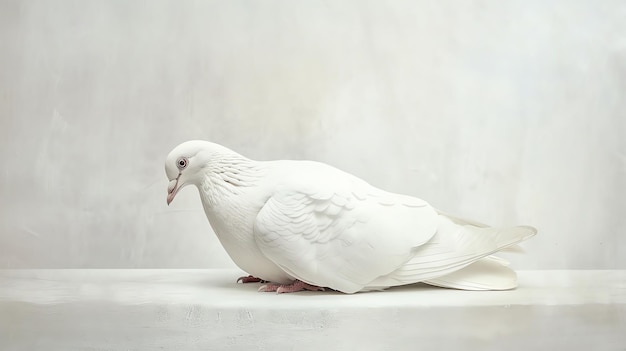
(508, 112)
(206, 310)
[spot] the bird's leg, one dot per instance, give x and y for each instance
(297, 285)
(250, 279)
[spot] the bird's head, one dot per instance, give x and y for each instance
(184, 165)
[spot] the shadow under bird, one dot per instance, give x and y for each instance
(304, 225)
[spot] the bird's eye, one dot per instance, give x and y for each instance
(182, 163)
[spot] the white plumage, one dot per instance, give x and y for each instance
(287, 220)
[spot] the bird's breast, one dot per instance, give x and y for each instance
(233, 223)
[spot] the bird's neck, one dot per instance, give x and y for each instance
(229, 195)
(229, 176)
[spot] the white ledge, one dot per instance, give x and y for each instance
(206, 309)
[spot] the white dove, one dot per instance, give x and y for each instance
(304, 225)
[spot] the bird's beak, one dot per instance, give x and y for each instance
(172, 189)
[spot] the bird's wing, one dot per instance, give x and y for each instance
(341, 238)
(463, 221)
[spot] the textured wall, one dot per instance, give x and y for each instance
(503, 111)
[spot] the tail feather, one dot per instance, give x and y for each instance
(488, 273)
(455, 248)
(463, 221)
(516, 249)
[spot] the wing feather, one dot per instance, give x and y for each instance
(342, 241)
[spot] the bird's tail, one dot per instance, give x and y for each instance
(457, 257)
(489, 273)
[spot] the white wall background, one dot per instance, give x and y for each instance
(509, 112)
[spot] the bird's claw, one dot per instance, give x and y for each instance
(296, 286)
(250, 279)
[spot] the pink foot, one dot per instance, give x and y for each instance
(297, 285)
(250, 279)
